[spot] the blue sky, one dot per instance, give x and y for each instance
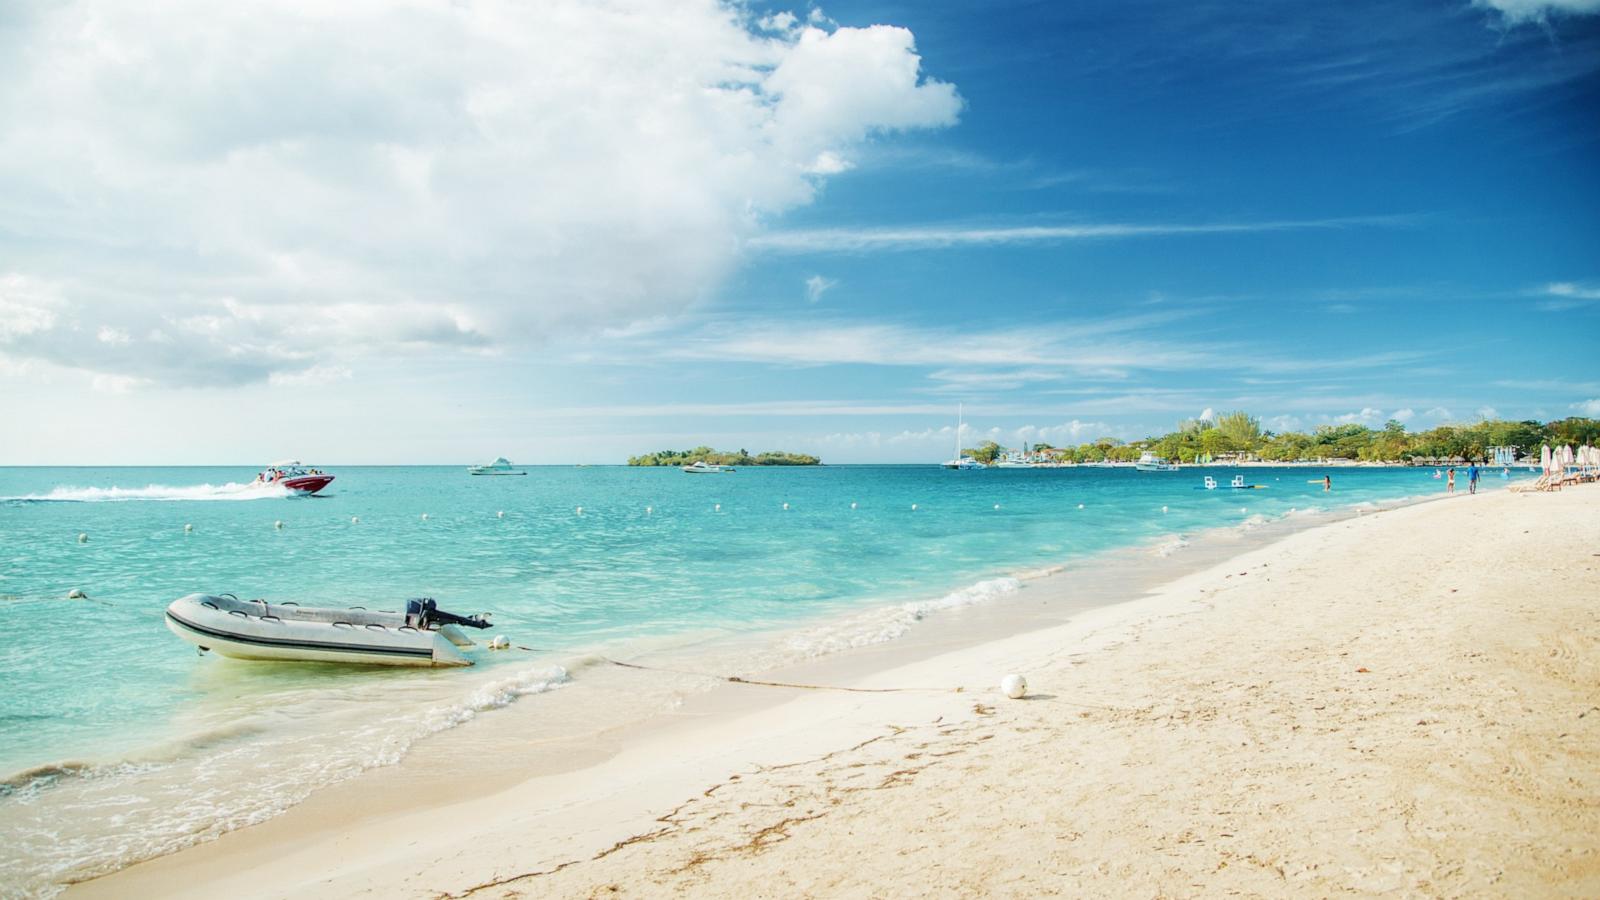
(579, 233)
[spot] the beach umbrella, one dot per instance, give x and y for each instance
(1544, 458)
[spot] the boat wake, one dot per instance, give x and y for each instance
(231, 491)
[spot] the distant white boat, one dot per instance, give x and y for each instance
(961, 461)
(702, 468)
(1014, 460)
(1149, 462)
(501, 466)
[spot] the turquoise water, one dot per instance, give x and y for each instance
(653, 553)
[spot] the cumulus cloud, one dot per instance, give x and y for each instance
(1403, 415)
(270, 187)
(1519, 11)
(1588, 407)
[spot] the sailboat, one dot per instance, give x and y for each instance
(960, 461)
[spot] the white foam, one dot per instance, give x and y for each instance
(888, 623)
(231, 491)
(1171, 545)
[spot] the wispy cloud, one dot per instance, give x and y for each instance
(818, 285)
(927, 237)
(1565, 295)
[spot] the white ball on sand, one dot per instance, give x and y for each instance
(500, 642)
(83, 537)
(77, 594)
(1014, 686)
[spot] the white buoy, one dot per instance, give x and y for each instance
(1243, 510)
(786, 506)
(83, 537)
(355, 520)
(188, 528)
(278, 524)
(913, 507)
(500, 642)
(580, 510)
(500, 515)
(852, 505)
(997, 506)
(1080, 506)
(1014, 686)
(1163, 509)
(648, 510)
(77, 594)
(717, 508)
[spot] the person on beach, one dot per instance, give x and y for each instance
(1327, 483)
(1472, 478)
(1450, 481)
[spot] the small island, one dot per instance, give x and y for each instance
(722, 458)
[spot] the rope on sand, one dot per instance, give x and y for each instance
(738, 679)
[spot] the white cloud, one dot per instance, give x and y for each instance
(1519, 11)
(835, 240)
(117, 384)
(1403, 415)
(1066, 434)
(1568, 295)
(1588, 407)
(27, 307)
(1487, 412)
(1207, 415)
(829, 163)
(816, 286)
(1438, 414)
(1367, 416)
(310, 377)
(274, 186)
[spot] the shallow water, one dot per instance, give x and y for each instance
(122, 742)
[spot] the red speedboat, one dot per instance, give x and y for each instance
(295, 477)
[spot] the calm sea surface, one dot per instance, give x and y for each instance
(106, 716)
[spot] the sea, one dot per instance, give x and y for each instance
(119, 742)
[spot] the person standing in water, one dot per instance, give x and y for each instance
(1472, 478)
(1450, 481)
(1327, 483)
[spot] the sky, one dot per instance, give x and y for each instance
(423, 231)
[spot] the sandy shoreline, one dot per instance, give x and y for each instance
(1217, 735)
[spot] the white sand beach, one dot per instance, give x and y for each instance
(1407, 701)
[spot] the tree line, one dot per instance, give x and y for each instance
(723, 458)
(1239, 433)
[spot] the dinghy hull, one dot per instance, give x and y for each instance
(255, 630)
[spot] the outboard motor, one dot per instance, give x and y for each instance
(422, 613)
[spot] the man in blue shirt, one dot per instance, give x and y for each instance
(1472, 479)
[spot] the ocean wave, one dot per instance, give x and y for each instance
(233, 490)
(880, 626)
